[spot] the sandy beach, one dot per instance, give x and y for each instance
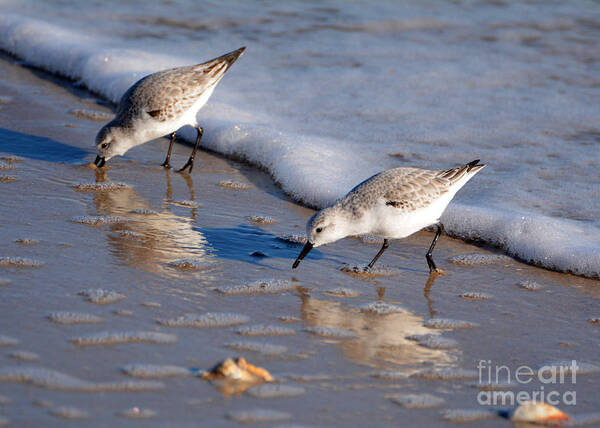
(97, 267)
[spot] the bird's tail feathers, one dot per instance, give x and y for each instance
(455, 174)
(216, 68)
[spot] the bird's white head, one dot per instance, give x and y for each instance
(328, 225)
(111, 141)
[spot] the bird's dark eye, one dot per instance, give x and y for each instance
(319, 229)
(104, 145)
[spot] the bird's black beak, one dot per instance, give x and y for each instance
(303, 253)
(100, 161)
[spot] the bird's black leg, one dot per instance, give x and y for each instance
(384, 247)
(430, 262)
(167, 162)
(190, 161)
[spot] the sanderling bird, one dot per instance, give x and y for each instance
(393, 204)
(159, 104)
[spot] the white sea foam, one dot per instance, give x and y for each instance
(438, 87)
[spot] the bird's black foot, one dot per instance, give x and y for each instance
(166, 164)
(190, 164)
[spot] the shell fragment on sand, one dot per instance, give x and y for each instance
(238, 369)
(539, 413)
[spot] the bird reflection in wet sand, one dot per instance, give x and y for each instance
(380, 340)
(150, 239)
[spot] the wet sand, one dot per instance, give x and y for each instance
(95, 278)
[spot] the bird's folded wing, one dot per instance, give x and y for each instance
(416, 189)
(174, 93)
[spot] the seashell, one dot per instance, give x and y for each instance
(540, 413)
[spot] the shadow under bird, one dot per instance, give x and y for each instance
(393, 204)
(159, 104)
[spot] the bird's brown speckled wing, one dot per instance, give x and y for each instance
(167, 94)
(416, 189)
(403, 188)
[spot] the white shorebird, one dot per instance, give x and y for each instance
(393, 204)
(160, 104)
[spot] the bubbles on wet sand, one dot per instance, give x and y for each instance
(594, 320)
(567, 366)
(152, 305)
(187, 203)
(190, 264)
(312, 377)
(98, 220)
(51, 379)
(259, 287)
(123, 312)
(475, 295)
(210, 319)
(11, 158)
(447, 323)
(113, 338)
(467, 415)
(365, 271)
(154, 371)
(274, 390)
(342, 292)
(371, 240)
(260, 347)
(101, 296)
(137, 413)
(531, 285)
(389, 376)
(258, 416)
(4, 165)
(91, 114)
(261, 219)
(233, 185)
(69, 412)
(330, 332)
(100, 187)
(433, 341)
(289, 319)
(144, 211)
(129, 234)
(8, 341)
(447, 374)
(381, 308)
(26, 241)
(265, 330)
(21, 262)
(417, 401)
(24, 356)
(64, 317)
(479, 259)
(7, 178)
(293, 238)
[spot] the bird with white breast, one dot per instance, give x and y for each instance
(159, 104)
(393, 204)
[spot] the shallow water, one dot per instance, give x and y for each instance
(328, 94)
(348, 379)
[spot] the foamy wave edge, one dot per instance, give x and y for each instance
(306, 167)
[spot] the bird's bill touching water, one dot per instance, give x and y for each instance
(100, 161)
(303, 253)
